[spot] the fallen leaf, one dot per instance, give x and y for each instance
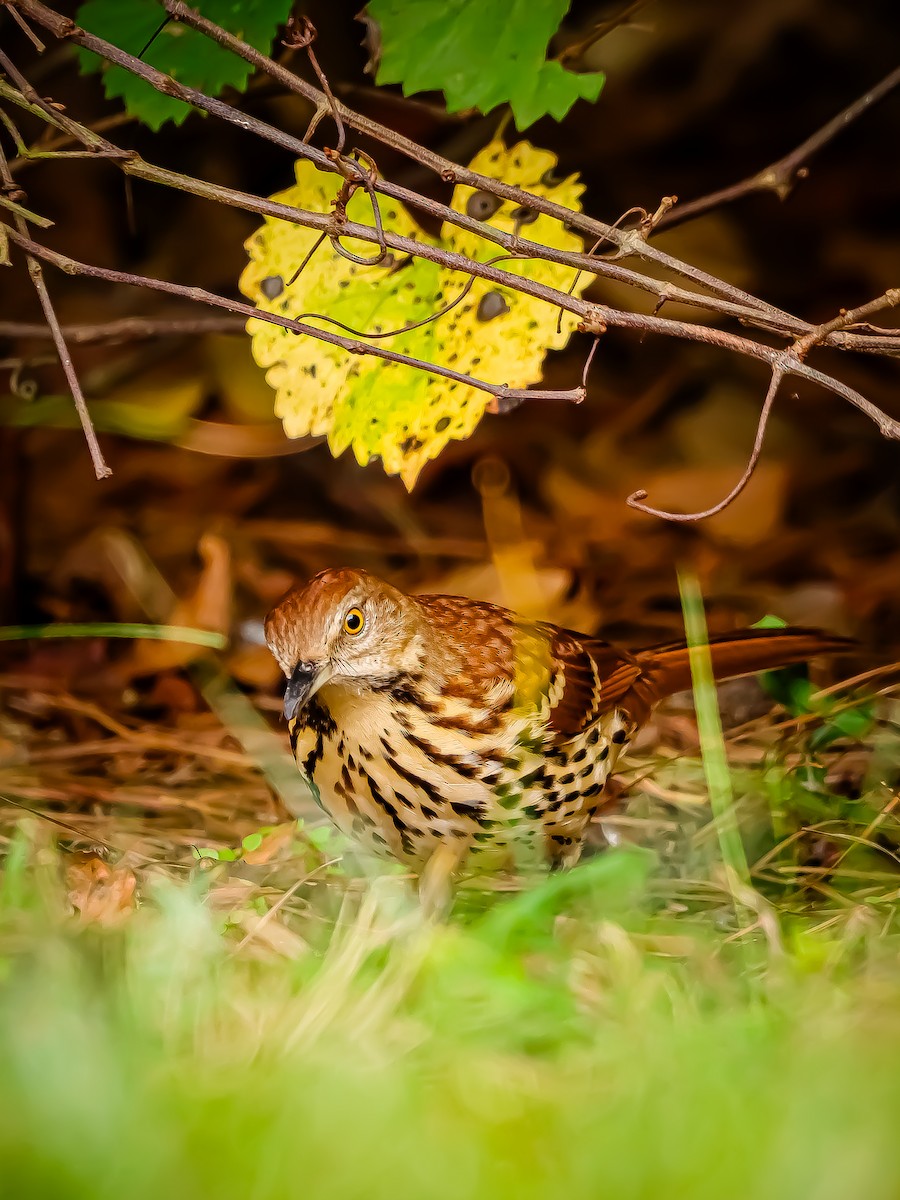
(100, 893)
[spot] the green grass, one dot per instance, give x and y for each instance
(573, 1040)
(716, 1019)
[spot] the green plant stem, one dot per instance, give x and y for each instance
(108, 629)
(712, 743)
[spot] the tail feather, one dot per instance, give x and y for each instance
(667, 668)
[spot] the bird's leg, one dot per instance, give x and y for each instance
(436, 880)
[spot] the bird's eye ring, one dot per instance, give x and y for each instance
(354, 621)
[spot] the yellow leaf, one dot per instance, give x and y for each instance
(400, 414)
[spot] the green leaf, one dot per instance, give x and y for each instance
(770, 621)
(391, 411)
(480, 54)
(855, 723)
(321, 836)
(217, 854)
(187, 55)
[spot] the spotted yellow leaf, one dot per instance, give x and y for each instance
(400, 414)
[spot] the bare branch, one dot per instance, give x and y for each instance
(635, 500)
(779, 177)
(72, 267)
(101, 469)
(844, 319)
(127, 329)
(449, 171)
(575, 50)
(26, 214)
(28, 31)
(710, 294)
(132, 164)
(88, 139)
(301, 33)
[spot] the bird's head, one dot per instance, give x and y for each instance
(345, 628)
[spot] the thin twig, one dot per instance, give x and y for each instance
(721, 298)
(36, 274)
(844, 319)
(300, 35)
(126, 329)
(575, 50)
(72, 267)
(595, 319)
(88, 139)
(133, 165)
(779, 177)
(771, 319)
(635, 500)
(25, 213)
(53, 148)
(28, 31)
(449, 172)
(632, 242)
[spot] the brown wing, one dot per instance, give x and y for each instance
(479, 638)
(636, 682)
(585, 676)
(596, 677)
(582, 676)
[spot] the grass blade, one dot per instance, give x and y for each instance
(115, 629)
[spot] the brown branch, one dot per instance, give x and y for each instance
(126, 329)
(723, 298)
(55, 147)
(90, 140)
(449, 171)
(73, 267)
(743, 306)
(800, 349)
(300, 35)
(517, 247)
(636, 498)
(765, 316)
(844, 319)
(28, 31)
(779, 177)
(596, 319)
(36, 274)
(575, 50)
(26, 214)
(594, 316)
(132, 164)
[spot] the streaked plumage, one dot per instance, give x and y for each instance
(448, 722)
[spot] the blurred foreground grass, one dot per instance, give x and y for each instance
(576, 1039)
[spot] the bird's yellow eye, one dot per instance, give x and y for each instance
(354, 621)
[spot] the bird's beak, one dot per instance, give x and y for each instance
(303, 684)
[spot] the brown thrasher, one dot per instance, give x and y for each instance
(438, 723)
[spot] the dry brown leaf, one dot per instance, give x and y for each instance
(254, 667)
(100, 893)
(272, 844)
(208, 607)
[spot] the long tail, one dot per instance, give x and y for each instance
(667, 668)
